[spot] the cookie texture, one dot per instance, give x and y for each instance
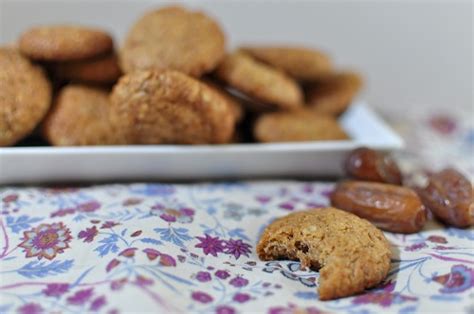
(80, 116)
(101, 70)
(233, 102)
(350, 253)
(64, 43)
(332, 95)
(174, 38)
(25, 96)
(302, 63)
(260, 81)
(169, 107)
(297, 126)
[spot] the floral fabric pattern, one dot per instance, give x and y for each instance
(176, 249)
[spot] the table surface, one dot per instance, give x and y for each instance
(171, 248)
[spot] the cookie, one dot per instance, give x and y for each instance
(297, 126)
(101, 70)
(260, 81)
(64, 43)
(303, 64)
(80, 116)
(334, 94)
(350, 253)
(174, 38)
(169, 107)
(25, 96)
(234, 103)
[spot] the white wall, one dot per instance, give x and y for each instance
(413, 53)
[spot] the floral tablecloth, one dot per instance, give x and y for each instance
(169, 248)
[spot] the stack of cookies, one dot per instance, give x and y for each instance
(171, 82)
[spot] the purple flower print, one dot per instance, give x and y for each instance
(443, 124)
(80, 297)
(239, 282)
(262, 199)
(46, 240)
(109, 224)
(152, 254)
(89, 234)
(287, 206)
(461, 278)
(437, 239)
(181, 215)
(30, 308)
(383, 296)
(118, 284)
(222, 274)
(112, 264)
(97, 303)
(225, 309)
(128, 252)
(203, 276)
(241, 297)
(236, 248)
(63, 212)
(167, 260)
(292, 308)
(10, 198)
(56, 289)
(88, 207)
(416, 247)
(210, 245)
(143, 281)
(201, 297)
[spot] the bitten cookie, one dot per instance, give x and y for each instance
(173, 38)
(25, 96)
(80, 116)
(303, 64)
(260, 81)
(101, 70)
(297, 126)
(350, 253)
(332, 95)
(64, 43)
(169, 107)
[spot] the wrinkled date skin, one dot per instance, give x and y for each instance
(389, 207)
(369, 165)
(449, 196)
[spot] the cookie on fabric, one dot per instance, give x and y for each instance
(350, 253)
(260, 81)
(25, 96)
(80, 116)
(64, 43)
(173, 38)
(332, 95)
(297, 126)
(169, 107)
(303, 64)
(100, 70)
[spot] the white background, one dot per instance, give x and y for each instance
(413, 53)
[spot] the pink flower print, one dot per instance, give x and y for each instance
(239, 282)
(30, 308)
(210, 245)
(201, 297)
(152, 254)
(461, 278)
(109, 224)
(63, 212)
(181, 215)
(225, 309)
(443, 124)
(80, 297)
(46, 240)
(89, 234)
(241, 297)
(437, 239)
(167, 260)
(236, 248)
(56, 289)
(10, 198)
(203, 276)
(143, 281)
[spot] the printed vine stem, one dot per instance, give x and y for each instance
(157, 299)
(5, 235)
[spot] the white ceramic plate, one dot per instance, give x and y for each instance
(172, 162)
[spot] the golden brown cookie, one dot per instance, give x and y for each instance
(234, 103)
(260, 81)
(25, 96)
(334, 94)
(350, 253)
(173, 38)
(297, 126)
(80, 116)
(169, 107)
(303, 64)
(101, 70)
(64, 43)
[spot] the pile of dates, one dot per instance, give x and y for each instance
(376, 193)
